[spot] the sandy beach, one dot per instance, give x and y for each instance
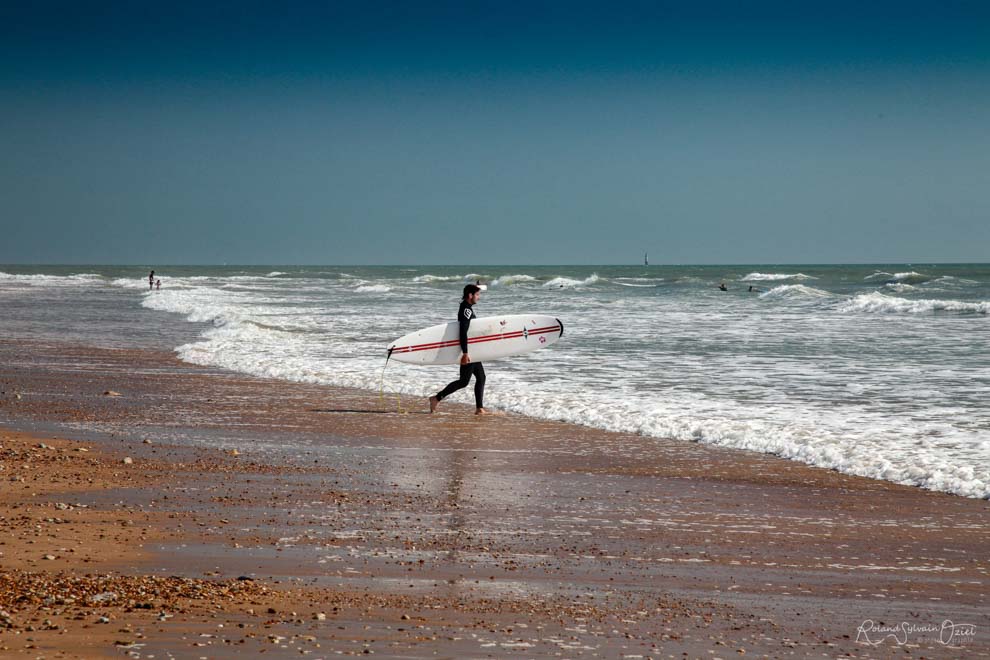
(154, 508)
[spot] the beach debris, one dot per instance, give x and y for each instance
(49, 557)
(146, 441)
(320, 616)
(111, 393)
(234, 452)
(103, 597)
(127, 460)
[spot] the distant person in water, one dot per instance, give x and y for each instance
(151, 280)
(465, 313)
(721, 287)
(158, 285)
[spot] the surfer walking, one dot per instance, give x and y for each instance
(465, 313)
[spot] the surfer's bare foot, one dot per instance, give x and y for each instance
(434, 404)
(484, 411)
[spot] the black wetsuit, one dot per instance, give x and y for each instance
(464, 316)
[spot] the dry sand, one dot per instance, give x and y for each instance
(250, 507)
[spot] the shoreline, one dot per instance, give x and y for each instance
(627, 544)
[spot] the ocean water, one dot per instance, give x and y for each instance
(880, 371)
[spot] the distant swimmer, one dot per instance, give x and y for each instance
(151, 280)
(721, 287)
(753, 289)
(472, 292)
(158, 285)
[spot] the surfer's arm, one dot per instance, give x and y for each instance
(463, 323)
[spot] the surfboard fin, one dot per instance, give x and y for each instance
(559, 322)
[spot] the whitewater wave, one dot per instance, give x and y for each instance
(910, 278)
(638, 282)
(129, 283)
(954, 281)
(509, 280)
(898, 287)
(773, 277)
(52, 280)
(569, 283)
(879, 303)
(373, 288)
(275, 273)
(258, 335)
(795, 291)
(879, 275)
(789, 441)
(426, 279)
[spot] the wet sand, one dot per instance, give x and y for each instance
(449, 535)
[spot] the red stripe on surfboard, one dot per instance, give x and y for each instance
(515, 334)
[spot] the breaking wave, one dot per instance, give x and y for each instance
(795, 291)
(773, 277)
(426, 279)
(509, 280)
(568, 283)
(373, 288)
(879, 303)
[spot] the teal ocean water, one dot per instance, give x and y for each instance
(874, 370)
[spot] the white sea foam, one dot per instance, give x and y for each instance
(878, 302)
(568, 283)
(879, 275)
(638, 282)
(795, 291)
(275, 273)
(898, 287)
(267, 352)
(509, 280)
(75, 279)
(949, 280)
(130, 283)
(856, 454)
(373, 288)
(436, 278)
(911, 277)
(692, 397)
(773, 277)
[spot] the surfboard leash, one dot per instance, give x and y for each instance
(381, 387)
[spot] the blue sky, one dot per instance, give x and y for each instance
(722, 132)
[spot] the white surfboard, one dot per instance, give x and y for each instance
(489, 338)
